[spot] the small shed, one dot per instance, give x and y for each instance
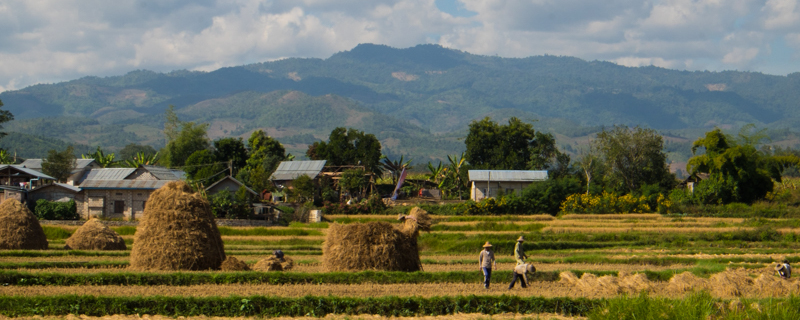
(287, 171)
(490, 183)
(231, 184)
(55, 192)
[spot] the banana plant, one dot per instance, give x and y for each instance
(102, 159)
(142, 159)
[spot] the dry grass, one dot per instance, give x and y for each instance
(94, 235)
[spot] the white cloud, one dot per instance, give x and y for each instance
(56, 40)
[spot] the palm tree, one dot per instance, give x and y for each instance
(395, 168)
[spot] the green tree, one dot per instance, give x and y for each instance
(232, 151)
(515, 146)
(191, 138)
(6, 158)
(203, 166)
(348, 147)
(634, 157)
(456, 174)
(265, 153)
(5, 116)
(304, 188)
(737, 173)
(354, 182)
(59, 165)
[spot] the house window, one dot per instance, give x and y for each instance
(119, 194)
(119, 206)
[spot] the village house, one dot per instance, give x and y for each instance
(120, 193)
(490, 183)
(81, 166)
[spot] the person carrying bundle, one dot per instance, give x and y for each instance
(784, 269)
(519, 252)
(520, 273)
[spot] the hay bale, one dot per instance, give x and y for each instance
(568, 278)
(177, 232)
(634, 283)
(233, 264)
(686, 282)
(19, 228)
(94, 235)
(730, 283)
(274, 264)
(375, 245)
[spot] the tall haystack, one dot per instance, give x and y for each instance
(177, 232)
(19, 228)
(375, 245)
(94, 235)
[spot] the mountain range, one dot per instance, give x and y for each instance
(418, 101)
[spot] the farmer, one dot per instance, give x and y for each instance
(278, 254)
(784, 269)
(486, 260)
(521, 272)
(519, 252)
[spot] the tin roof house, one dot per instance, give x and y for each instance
(491, 183)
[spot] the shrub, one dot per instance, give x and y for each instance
(52, 210)
(606, 203)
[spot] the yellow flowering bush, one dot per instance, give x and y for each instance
(609, 203)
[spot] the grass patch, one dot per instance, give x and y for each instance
(491, 226)
(56, 233)
(261, 306)
(261, 231)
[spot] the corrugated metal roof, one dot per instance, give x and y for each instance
(36, 164)
(108, 174)
(123, 184)
(235, 181)
(27, 171)
(507, 175)
(161, 173)
(62, 185)
(289, 170)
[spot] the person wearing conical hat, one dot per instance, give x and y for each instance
(521, 272)
(486, 261)
(519, 252)
(784, 269)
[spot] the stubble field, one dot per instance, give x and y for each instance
(584, 263)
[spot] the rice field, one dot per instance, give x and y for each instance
(577, 257)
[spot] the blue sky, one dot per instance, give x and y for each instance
(45, 41)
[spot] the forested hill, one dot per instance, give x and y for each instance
(418, 100)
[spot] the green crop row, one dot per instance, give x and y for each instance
(698, 306)
(260, 306)
(9, 277)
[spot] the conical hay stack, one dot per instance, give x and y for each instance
(730, 283)
(274, 264)
(686, 282)
(177, 232)
(19, 228)
(370, 246)
(233, 264)
(94, 235)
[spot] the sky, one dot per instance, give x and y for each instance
(48, 41)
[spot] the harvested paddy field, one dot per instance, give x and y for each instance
(581, 261)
